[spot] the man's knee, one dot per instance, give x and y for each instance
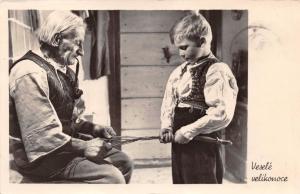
(111, 175)
(127, 168)
(127, 163)
(115, 177)
(123, 162)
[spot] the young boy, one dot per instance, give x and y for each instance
(199, 100)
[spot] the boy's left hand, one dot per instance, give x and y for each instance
(181, 139)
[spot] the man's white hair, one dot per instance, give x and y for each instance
(62, 22)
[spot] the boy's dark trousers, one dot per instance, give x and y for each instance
(195, 162)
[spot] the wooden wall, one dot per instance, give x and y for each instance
(144, 69)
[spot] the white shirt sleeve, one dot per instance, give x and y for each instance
(169, 101)
(220, 93)
(40, 126)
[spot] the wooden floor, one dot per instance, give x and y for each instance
(162, 175)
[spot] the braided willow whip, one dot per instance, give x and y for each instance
(121, 140)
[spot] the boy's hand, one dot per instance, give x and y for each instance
(166, 135)
(181, 139)
(96, 149)
(103, 131)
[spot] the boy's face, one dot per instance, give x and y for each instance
(189, 50)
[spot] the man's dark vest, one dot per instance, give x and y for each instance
(63, 91)
(196, 96)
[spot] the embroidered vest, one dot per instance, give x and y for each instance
(196, 97)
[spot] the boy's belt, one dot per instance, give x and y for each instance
(190, 109)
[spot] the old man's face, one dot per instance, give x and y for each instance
(71, 47)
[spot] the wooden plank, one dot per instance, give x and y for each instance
(141, 113)
(145, 81)
(146, 49)
(149, 20)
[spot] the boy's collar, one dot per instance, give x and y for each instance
(204, 58)
(198, 61)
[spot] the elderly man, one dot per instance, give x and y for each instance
(45, 129)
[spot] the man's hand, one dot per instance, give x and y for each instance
(179, 138)
(96, 149)
(166, 135)
(103, 131)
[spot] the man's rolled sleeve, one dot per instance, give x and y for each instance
(40, 127)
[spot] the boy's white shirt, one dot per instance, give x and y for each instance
(220, 93)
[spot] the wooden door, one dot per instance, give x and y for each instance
(235, 53)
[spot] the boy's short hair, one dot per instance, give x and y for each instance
(192, 27)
